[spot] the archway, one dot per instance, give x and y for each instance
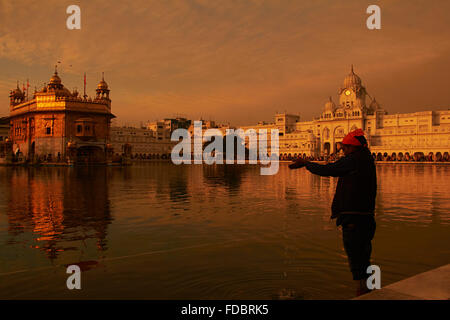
(326, 148)
(419, 156)
(32, 150)
(326, 134)
(379, 156)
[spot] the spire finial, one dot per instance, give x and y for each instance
(352, 68)
(17, 84)
(56, 69)
(103, 76)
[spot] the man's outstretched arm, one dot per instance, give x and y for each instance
(339, 168)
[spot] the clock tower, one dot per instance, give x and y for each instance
(352, 96)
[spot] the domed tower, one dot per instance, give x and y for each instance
(329, 109)
(330, 105)
(102, 89)
(375, 107)
(352, 95)
(55, 82)
(16, 96)
(55, 86)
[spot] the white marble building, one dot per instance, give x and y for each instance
(418, 135)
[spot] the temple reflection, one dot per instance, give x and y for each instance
(58, 207)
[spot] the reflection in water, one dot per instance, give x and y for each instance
(229, 176)
(58, 206)
(204, 232)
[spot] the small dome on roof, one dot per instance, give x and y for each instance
(330, 105)
(374, 105)
(102, 85)
(17, 93)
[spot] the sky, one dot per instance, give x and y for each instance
(233, 61)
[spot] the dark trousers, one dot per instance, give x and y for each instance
(357, 233)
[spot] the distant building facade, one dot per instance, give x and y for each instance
(418, 135)
(59, 125)
(150, 142)
(141, 142)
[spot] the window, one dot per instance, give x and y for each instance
(48, 130)
(79, 128)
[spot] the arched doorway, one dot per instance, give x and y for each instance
(326, 148)
(32, 150)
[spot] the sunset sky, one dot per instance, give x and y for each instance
(232, 61)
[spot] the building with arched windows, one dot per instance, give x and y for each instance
(418, 135)
(59, 125)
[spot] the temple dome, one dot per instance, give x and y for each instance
(352, 80)
(17, 92)
(55, 79)
(102, 85)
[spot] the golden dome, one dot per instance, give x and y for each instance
(102, 85)
(352, 80)
(65, 92)
(55, 79)
(17, 92)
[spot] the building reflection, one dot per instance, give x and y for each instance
(62, 208)
(228, 176)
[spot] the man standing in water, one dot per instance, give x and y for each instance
(354, 201)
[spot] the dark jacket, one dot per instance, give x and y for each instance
(357, 184)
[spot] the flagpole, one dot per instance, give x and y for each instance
(85, 96)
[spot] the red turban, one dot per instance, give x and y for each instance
(351, 138)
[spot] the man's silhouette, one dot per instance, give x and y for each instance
(354, 201)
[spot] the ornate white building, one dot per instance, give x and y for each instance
(419, 135)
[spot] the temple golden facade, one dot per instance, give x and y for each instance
(58, 125)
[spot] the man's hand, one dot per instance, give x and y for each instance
(300, 163)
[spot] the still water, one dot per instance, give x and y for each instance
(160, 231)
